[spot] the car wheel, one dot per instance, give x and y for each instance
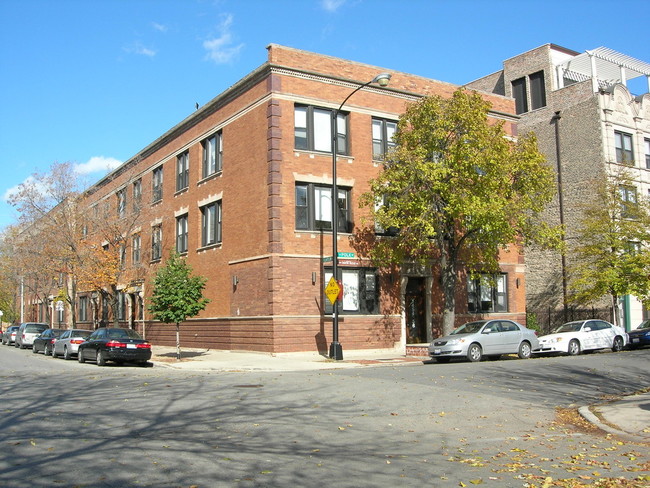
(80, 356)
(46, 351)
(443, 360)
(524, 350)
(66, 354)
(574, 348)
(101, 358)
(34, 350)
(617, 346)
(54, 355)
(474, 353)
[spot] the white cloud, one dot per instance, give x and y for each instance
(220, 49)
(97, 164)
(138, 48)
(159, 27)
(332, 5)
(14, 190)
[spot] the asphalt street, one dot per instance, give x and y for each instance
(492, 423)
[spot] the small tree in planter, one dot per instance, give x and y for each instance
(177, 295)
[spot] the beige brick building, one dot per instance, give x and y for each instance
(588, 122)
(242, 188)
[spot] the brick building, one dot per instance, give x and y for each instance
(242, 188)
(588, 122)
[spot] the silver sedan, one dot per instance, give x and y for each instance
(67, 345)
(485, 338)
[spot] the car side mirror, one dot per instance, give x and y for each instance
(587, 329)
(487, 331)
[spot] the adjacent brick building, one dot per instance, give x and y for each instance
(242, 188)
(588, 123)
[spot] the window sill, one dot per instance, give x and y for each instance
(181, 191)
(216, 245)
(209, 177)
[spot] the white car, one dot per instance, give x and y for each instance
(583, 335)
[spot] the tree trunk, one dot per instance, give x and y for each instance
(448, 278)
(178, 341)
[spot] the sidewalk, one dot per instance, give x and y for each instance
(628, 418)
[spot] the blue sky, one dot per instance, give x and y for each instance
(93, 82)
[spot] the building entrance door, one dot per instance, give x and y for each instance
(415, 303)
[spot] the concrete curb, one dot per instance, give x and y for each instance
(592, 418)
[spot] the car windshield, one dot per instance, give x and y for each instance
(123, 334)
(644, 325)
(570, 327)
(469, 328)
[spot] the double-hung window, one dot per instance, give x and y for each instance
(211, 224)
(136, 244)
(382, 137)
(212, 154)
(156, 242)
(537, 90)
(157, 184)
(647, 153)
(628, 200)
(520, 95)
(182, 171)
(314, 207)
(83, 308)
(624, 151)
(137, 195)
(121, 203)
(313, 129)
(487, 293)
(181, 234)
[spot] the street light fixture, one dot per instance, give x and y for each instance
(336, 351)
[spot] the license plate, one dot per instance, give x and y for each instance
(635, 340)
(437, 351)
(131, 346)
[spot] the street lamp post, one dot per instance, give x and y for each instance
(336, 351)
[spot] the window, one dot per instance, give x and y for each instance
(211, 224)
(314, 208)
(647, 153)
(136, 243)
(628, 200)
(520, 95)
(382, 137)
(183, 171)
(121, 203)
(212, 154)
(313, 129)
(623, 143)
(137, 195)
(121, 305)
(360, 291)
(157, 189)
(537, 90)
(83, 308)
(122, 255)
(181, 234)
(156, 242)
(488, 293)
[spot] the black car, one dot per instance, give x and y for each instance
(45, 341)
(640, 336)
(115, 344)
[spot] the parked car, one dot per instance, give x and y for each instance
(640, 336)
(115, 344)
(485, 338)
(583, 335)
(28, 332)
(9, 335)
(45, 341)
(67, 345)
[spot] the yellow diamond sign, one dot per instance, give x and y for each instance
(332, 290)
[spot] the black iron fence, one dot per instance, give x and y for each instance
(546, 320)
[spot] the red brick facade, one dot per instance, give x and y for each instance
(265, 279)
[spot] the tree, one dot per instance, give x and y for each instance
(177, 294)
(612, 255)
(458, 190)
